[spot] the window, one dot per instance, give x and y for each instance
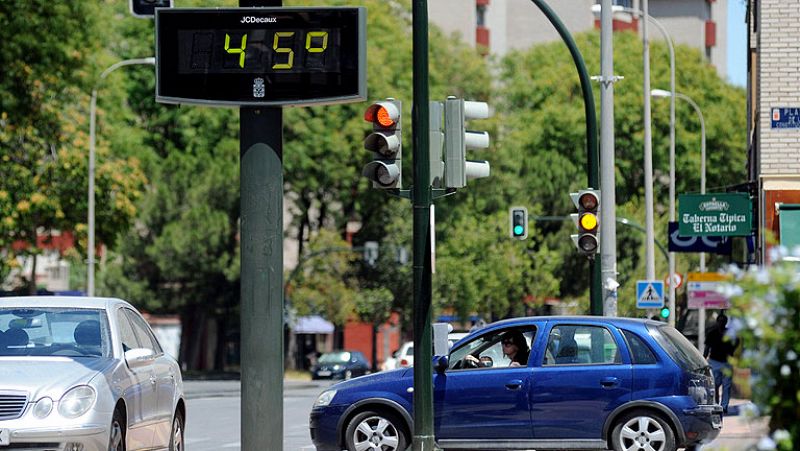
(640, 352)
(126, 334)
(572, 344)
(143, 333)
(498, 349)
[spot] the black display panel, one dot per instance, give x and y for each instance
(261, 56)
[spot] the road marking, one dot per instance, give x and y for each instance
(195, 440)
(232, 445)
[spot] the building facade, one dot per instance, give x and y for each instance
(774, 121)
(498, 26)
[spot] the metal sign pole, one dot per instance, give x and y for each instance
(261, 191)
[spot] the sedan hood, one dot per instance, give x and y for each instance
(49, 376)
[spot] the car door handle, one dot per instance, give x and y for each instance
(609, 382)
(514, 384)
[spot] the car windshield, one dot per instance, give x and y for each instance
(678, 347)
(335, 357)
(66, 332)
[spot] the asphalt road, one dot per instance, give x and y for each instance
(213, 409)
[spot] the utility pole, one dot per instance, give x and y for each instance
(650, 266)
(608, 225)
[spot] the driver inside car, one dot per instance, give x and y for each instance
(515, 348)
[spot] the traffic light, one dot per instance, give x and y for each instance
(519, 222)
(385, 140)
(587, 221)
(665, 312)
(457, 140)
(146, 9)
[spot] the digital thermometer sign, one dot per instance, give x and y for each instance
(261, 56)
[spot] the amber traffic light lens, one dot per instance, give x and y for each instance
(588, 221)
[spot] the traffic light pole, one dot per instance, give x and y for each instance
(421, 197)
(261, 203)
(592, 153)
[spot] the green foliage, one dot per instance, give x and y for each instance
(44, 129)
(766, 315)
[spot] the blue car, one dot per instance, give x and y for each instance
(538, 383)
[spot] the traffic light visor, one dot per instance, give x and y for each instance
(588, 221)
(588, 201)
(383, 114)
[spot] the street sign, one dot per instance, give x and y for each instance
(269, 56)
(709, 244)
(716, 214)
(785, 117)
(677, 278)
(649, 294)
(702, 290)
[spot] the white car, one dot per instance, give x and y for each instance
(87, 374)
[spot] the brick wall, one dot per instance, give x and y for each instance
(779, 66)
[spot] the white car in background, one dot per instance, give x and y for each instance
(87, 374)
(404, 357)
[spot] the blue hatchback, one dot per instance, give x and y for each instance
(538, 383)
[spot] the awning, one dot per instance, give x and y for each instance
(789, 215)
(313, 324)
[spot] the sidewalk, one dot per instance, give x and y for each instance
(738, 432)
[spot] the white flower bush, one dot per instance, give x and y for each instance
(766, 316)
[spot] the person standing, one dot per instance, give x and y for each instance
(719, 350)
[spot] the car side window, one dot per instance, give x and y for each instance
(143, 333)
(580, 344)
(640, 352)
(499, 349)
(126, 334)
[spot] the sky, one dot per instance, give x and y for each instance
(737, 43)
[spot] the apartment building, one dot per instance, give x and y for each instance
(774, 121)
(498, 26)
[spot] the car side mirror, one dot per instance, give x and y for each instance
(139, 357)
(441, 363)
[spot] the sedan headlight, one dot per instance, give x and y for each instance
(325, 398)
(77, 401)
(42, 408)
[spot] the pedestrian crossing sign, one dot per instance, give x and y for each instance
(649, 294)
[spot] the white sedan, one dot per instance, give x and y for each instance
(85, 374)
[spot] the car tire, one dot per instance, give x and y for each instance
(176, 435)
(385, 429)
(643, 427)
(116, 438)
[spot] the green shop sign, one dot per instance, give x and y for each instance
(716, 214)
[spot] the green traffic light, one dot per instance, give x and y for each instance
(665, 312)
(518, 230)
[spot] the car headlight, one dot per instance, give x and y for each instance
(42, 408)
(325, 398)
(77, 401)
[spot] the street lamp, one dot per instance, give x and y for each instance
(92, 114)
(701, 327)
(625, 10)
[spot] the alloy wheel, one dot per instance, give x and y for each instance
(642, 433)
(376, 433)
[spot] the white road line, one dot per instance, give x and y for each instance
(232, 445)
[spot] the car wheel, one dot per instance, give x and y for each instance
(642, 430)
(116, 439)
(176, 437)
(375, 430)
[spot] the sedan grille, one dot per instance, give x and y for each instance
(12, 405)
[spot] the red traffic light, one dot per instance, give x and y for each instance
(384, 114)
(588, 201)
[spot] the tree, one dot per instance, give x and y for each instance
(374, 307)
(44, 131)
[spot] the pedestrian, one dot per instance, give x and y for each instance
(719, 349)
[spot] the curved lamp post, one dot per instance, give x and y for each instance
(635, 12)
(92, 121)
(701, 328)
